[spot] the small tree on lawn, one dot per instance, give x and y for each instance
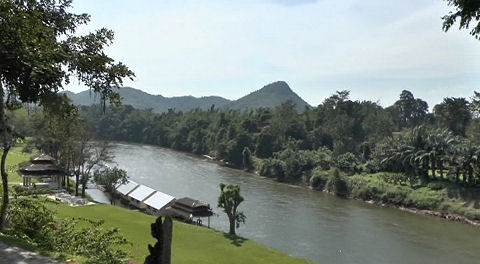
(110, 178)
(229, 200)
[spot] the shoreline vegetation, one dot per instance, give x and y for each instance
(430, 212)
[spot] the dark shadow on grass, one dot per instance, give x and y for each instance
(235, 240)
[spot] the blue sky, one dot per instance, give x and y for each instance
(230, 48)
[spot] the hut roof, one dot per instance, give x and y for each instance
(41, 169)
(191, 203)
(141, 193)
(159, 200)
(41, 158)
(127, 187)
(188, 206)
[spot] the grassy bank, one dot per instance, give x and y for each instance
(438, 197)
(191, 244)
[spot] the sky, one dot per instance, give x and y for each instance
(230, 48)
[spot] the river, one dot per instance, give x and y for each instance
(304, 222)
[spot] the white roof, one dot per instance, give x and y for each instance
(141, 193)
(158, 200)
(127, 187)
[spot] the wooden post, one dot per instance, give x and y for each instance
(160, 253)
(167, 241)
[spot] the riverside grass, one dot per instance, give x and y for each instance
(191, 244)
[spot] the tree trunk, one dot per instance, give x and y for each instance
(5, 201)
(433, 169)
(77, 182)
(68, 183)
(470, 175)
(440, 166)
(457, 175)
(84, 186)
(232, 226)
(6, 148)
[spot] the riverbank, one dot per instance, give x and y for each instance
(439, 198)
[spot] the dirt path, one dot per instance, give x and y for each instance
(14, 255)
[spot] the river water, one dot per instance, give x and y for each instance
(303, 222)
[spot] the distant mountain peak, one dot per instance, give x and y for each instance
(270, 96)
(278, 87)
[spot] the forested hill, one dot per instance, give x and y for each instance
(142, 100)
(270, 95)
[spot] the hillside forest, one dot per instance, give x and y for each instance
(403, 154)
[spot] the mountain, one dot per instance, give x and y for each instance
(142, 100)
(269, 96)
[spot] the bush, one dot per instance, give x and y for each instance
(435, 186)
(337, 184)
(29, 217)
(370, 188)
(273, 168)
(425, 198)
(394, 178)
(359, 187)
(319, 178)
(348, 163)
(19, 190)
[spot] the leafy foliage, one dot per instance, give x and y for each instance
(76, 236)
(467, 11)
(229, 200)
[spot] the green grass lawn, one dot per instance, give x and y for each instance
(191, 244)
(15, 157)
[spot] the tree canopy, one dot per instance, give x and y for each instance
(40, 52)
(468, 11)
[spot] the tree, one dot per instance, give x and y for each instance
(411, 111)
(86, 156)
(110, 178)
(229, 200)
(337, 184)
(466, 10)
(247, 159)
(40, 52)
(454, 113)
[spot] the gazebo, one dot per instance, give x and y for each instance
(42, 167)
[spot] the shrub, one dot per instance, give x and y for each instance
(370, 188)
(425, 198)
(359, 187)
(435, 186)
(337, 184)
(19, 190)
(319, 178)
(348, 163)
(273, 168)
(394, 178)
(29, 217)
